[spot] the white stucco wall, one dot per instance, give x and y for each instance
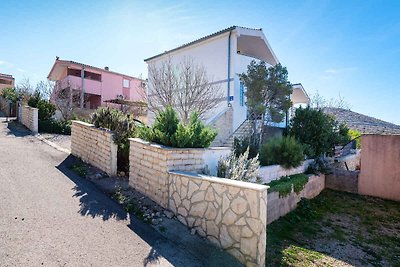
(213, 55)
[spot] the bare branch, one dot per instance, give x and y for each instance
(185, 86)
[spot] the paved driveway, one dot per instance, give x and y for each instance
(51, 217)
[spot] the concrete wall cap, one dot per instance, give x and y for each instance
(230, 182)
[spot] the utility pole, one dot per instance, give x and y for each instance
(83, 84)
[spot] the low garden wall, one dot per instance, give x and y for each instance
(4, 106)
(342, 180)
(29, 117)
(94, 146)
(149, 164)
(232, 214)
(274, 172)
(279, 206)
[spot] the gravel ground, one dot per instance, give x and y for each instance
(63, 141)
(50, 216)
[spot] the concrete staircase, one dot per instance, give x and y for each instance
(244, 130)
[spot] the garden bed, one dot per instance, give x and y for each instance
(337, 229)
(285, 194)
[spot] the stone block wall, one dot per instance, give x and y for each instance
(280, 206)
(94, 146)
(231, 214)
(4, 106)
(149, 165)
(274, 172)
(342, 180)
(30, 118)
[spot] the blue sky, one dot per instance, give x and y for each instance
(346, 48)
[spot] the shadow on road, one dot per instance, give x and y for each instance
(16, 129)
(95, 203)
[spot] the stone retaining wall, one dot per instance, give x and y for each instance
(280, 206)
(94, 146)
(342, 180)
(30, 118)
(274, 172)
(231, 214)
(149, 165)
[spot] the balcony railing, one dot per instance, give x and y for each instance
(75, 83)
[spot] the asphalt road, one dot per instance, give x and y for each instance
(51, 217)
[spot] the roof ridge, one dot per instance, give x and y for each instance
(98, 68)
(231, 28)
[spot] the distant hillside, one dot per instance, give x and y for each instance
(363, 123)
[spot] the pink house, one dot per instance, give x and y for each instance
(98, 84)
(6, 81)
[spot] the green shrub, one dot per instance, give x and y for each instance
(46, 110)
(284, 184)
(317, 131)
(10, 94)
(168, 131)
(241, 145)
(354, 134)
(319, 165)
(123, 127)
(239, 168)
(54, 126)
(285, 151)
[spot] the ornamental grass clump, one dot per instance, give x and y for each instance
(239, 168)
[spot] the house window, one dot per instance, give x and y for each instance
(241, 94)
(126, 83)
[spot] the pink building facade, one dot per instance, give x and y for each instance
(98, 85)
(6, 81)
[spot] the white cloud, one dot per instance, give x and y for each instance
(340, 70)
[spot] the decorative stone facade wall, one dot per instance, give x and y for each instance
(280, 206)
(94, 146)
(149, 165)
(231, 214)
(274, 172)
(30, 118)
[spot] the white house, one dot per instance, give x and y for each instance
(226, 54)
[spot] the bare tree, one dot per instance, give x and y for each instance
(319, 102)
(184, 86)
(24, 89)
(66, 98)
(45, 88)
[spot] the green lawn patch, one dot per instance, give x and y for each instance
(284, 184)
(337, 229)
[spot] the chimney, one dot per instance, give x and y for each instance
(106, 68)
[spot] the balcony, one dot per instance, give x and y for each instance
(243, 61)
(75, 83)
